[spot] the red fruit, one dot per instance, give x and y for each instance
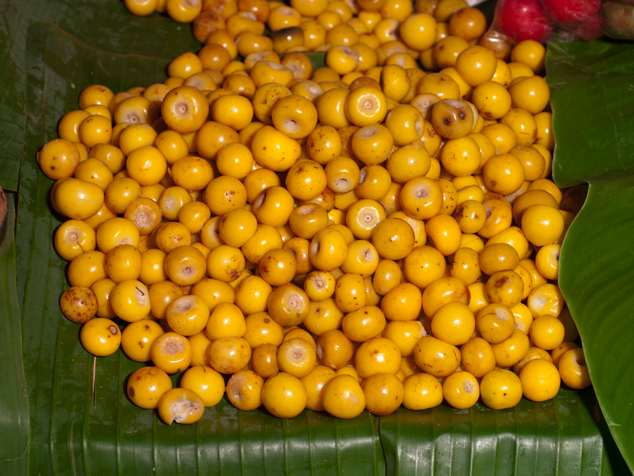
(523, 20)
(590, 30)
(571, 12)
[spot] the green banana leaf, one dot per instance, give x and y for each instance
(64, 411)
(592, 87)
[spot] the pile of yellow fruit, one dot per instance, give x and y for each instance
(361, 236)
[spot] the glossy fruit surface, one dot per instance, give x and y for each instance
(367, 219)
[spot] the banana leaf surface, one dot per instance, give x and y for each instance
(63, 411)
(592, 87)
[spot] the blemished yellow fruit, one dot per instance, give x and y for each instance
(137, 339)
(79, 304)
(461, 390)
(244, 390)
(147, 385)
(181, 405)
(100, 336)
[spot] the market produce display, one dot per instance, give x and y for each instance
(358, 236)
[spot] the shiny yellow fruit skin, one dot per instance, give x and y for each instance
(402, 303)
(180, 405)
(465, 266)
(87, 268)
(229, 355)
(542, 224)
(73, 238)
(102, 289)
(405, 335)
(162, 293)
(225, 263)
(364, 324)
(501, 389)
(226, 320)
(343, 397)
(117, 231)
(560, 350)
(547, 261)
(461, 390)
(58, 159)
(146, 165)
(424, 265)
(498, 257)
(383, 393)
(511, 351)
(328, 249)
(264, 360)
(533, 353)
(187, 315)
(152, 267)
(244, 390)
(545, 300)
(288, 305)
(185, 109)
(185, 265)
(206, 382)
(319, 285)
(314, 383)
(123, 262)
(284, 395)
(422, 391)
(436, 357)
(363, 216)
(121, 193)
(419, 31)
(421, 198)
(361, 258)
(171, 352)
(387, 276)
(540, 380)
(477, 357)
(523, 317)
(547, 332)
(453, 323)
(378, 355)
(296, 357)
(573, 369)
(137, 339)
(334, 349)
(130, 300)
(274, 150)
(495, 323)
(441, 292)
(78, 199)
(145, 213)
(101, 337)
(200, 346)
(505, 287)
(252, 295)
(393, 238)
(147, 385)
